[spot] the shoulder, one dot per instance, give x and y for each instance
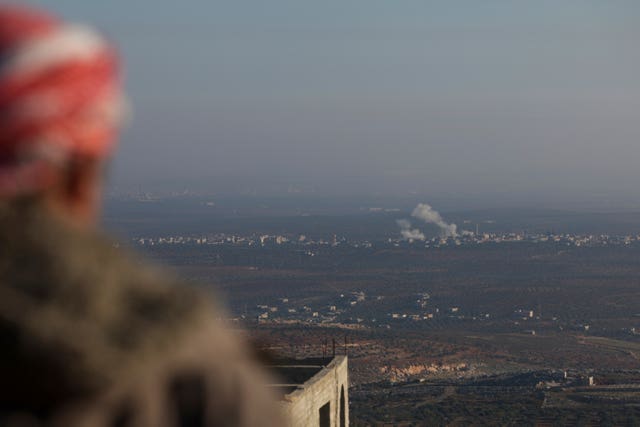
(65, 291)
(107, 328)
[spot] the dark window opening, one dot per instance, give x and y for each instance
(187, 398)
(325, 415)
(343, 415)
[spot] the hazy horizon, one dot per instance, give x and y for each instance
(497, 100)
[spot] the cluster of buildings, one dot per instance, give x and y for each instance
(260, 240)
(468, 238)
(334, 310)
(356, 310)
(565, 239)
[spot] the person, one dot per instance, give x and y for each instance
(90, 335)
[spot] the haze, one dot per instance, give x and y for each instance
(495, 99)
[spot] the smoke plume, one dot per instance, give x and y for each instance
(407, 232)
(429, 215)
(426, 213)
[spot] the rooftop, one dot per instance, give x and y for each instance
(294, 373)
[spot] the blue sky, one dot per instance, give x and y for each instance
(496, 98)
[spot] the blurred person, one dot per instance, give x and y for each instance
(90, 336)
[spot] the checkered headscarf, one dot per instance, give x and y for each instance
(60, 97)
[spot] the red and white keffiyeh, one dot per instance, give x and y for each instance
(60, 97)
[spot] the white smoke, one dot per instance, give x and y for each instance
(429, 215)
(407, 232)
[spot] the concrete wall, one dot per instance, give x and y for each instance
(303, 405)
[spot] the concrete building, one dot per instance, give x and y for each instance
(315, 391)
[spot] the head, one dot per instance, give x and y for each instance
(60, 108)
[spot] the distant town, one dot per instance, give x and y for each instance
(468, 238)
(520, 318)
(359, 309)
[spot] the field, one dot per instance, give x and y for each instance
(481, 334)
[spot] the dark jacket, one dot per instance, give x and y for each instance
(91, 336)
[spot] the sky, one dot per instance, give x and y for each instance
(459, 98)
